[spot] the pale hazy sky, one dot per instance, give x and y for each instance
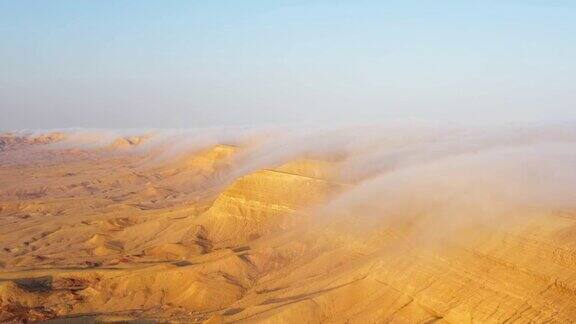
(133, 64)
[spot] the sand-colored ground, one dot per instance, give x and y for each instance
(137, 230)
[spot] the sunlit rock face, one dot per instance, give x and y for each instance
(400, 223)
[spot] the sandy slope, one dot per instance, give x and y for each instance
(126, 231)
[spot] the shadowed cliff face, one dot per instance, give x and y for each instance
(395, 223)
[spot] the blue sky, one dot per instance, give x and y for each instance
(131, 64)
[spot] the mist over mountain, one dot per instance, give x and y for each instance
(399, 222)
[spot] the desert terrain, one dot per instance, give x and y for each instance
(413, 223)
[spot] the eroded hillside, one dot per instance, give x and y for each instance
(396, 224)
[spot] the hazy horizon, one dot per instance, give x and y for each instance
(287, 161)
(186, 64)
